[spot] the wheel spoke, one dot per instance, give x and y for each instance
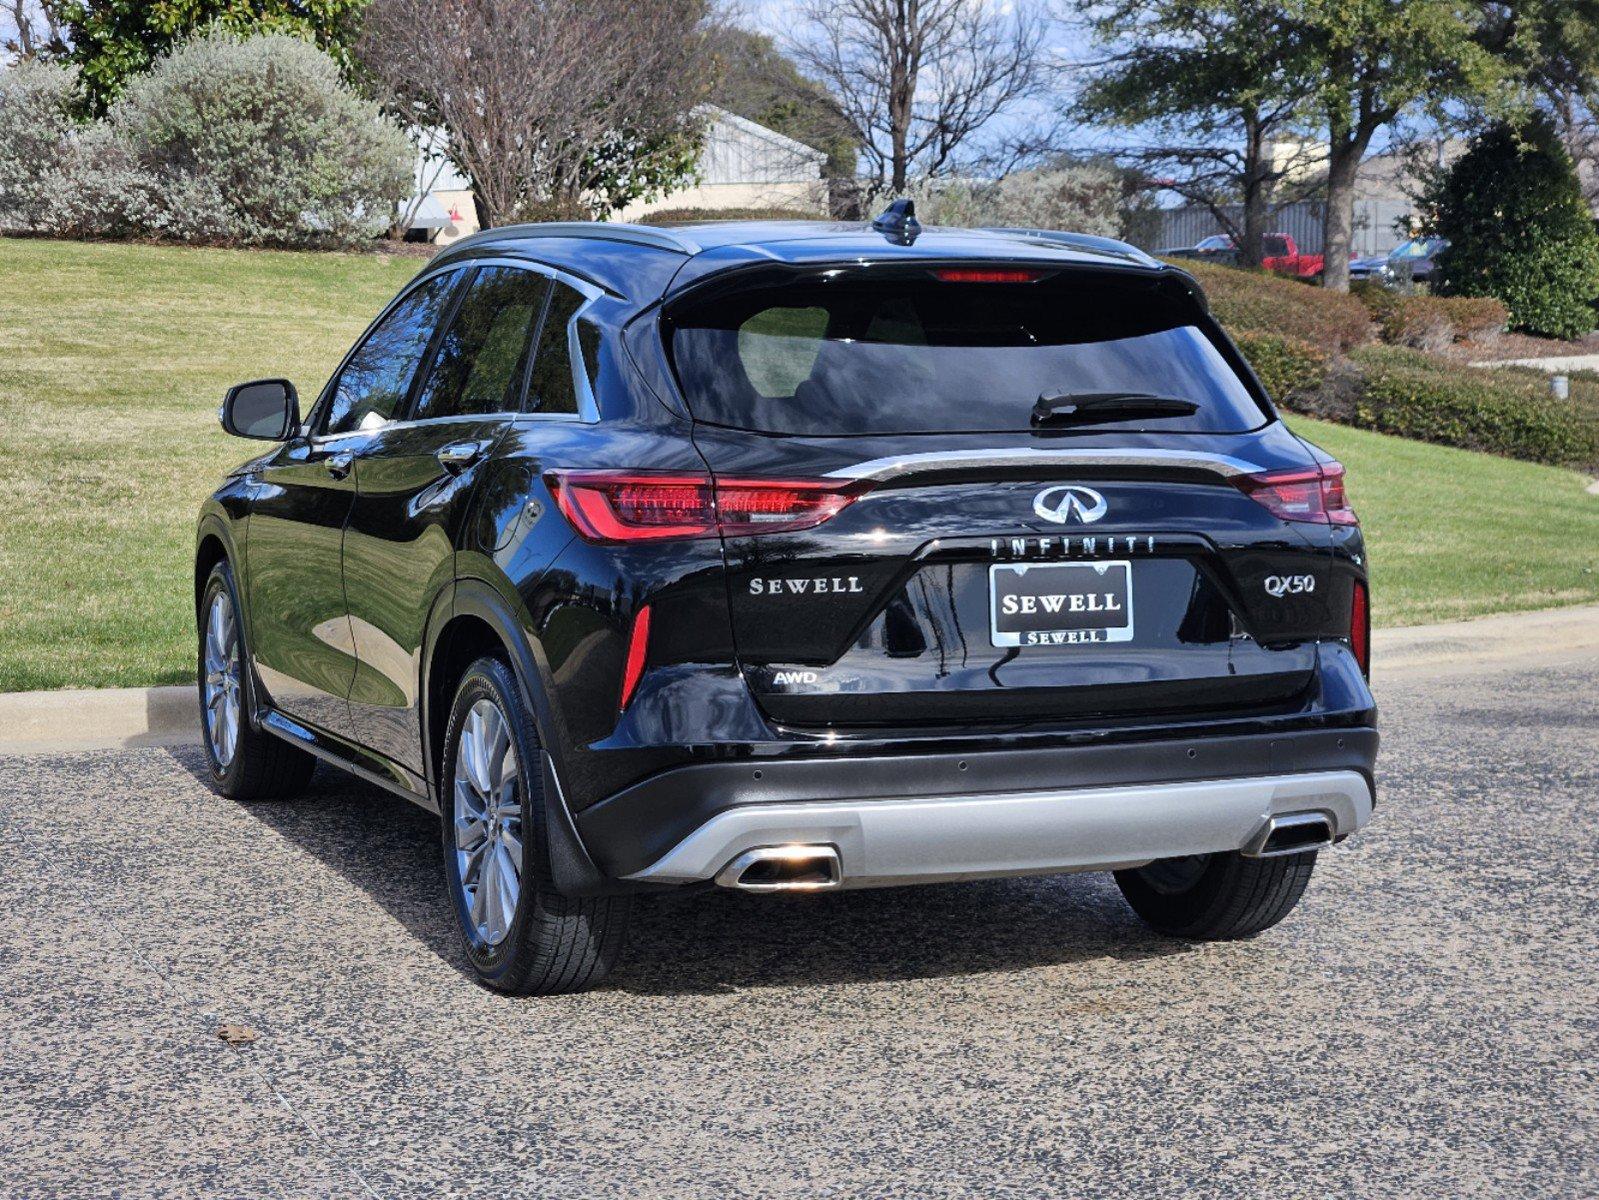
(488, 892)
(470, 834)
(511, 842)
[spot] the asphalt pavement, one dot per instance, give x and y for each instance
(1426, 1024)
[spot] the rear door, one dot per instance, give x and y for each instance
(991, 566)
(300, 632)
(414, 483)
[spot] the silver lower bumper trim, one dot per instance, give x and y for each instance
(894, 841)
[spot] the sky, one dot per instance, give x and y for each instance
(1069, 46)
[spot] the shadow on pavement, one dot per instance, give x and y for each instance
(710, 940)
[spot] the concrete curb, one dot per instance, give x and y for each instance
(65, 722)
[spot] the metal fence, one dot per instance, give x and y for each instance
(1378, 225)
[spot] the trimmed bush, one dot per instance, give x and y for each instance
(1258, 302)
(1411, 395)
(1287, 366)
(265, 136)
(1519, 229)
(1426, 322)
(1475, 318)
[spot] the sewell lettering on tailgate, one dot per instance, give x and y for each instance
(817, 585)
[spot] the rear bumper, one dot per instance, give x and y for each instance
(639, 833)
(896, 841)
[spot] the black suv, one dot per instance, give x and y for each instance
(789, 557)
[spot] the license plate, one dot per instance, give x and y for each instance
(1060, 604)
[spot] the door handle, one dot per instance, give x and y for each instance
(458, 456)
(339, 464)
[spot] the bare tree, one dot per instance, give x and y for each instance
(30, 29)
(554, 108)
(917, 79)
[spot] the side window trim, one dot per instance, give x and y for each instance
(588, 409)
(533, 349)
(316, 420)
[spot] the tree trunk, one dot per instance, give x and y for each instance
(1338, 227)
(1252, 245)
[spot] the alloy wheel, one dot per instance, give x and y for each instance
(222, 691)
(488, 822)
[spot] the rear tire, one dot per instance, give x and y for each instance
(521, 935)
(1217, 897)
(246, 763)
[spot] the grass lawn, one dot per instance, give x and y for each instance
(115, 358)
(1456, 534)
(113, 363)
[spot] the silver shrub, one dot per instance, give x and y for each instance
(231, 140)
(1081, 198)
(36, 137)
(257, 140)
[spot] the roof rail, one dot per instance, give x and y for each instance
(603, 231)
(1081, 241)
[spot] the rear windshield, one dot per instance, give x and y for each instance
(876, 354)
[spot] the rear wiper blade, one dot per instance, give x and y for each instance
(1086, 408)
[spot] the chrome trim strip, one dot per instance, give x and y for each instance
(947, 460)
(883, 842)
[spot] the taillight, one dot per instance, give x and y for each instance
(1360, 627)
(638, 646)
(629, 506)
(1314, 494)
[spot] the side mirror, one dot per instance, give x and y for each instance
(266, 408)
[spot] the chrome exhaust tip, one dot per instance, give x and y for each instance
(1290, 833)
(784, 869)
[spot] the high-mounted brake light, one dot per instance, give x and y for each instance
(630, 506)
(1314, 494)
(985, 275)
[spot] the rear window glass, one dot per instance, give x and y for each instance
(917, 355)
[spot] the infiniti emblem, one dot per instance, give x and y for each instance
(1068, 502)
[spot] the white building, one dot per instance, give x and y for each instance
(745, 165)
(742, 165)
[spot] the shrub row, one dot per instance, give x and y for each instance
(1434, 323)
(1406, 393)
(229, 140)
(1255, 301)
(1287, 366)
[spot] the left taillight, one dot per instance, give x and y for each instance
(1313, 494)
(631, 506)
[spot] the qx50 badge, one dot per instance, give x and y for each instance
(1070, 502)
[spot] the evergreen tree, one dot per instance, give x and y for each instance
(1519, 229)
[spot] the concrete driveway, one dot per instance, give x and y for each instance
(1427, 1024)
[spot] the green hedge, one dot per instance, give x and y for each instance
(1286, 365)
(1258, 302)
(1415, 396)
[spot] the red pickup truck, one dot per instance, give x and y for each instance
(1282, 254)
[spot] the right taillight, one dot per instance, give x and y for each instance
(1360, 626)
(1314, 494)
(631, 506)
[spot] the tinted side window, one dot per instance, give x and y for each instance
(551, 389)
(374, 383)
(482, 358)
